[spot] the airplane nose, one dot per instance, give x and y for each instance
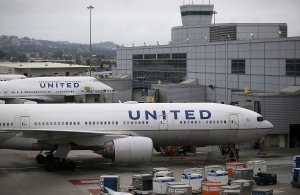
(268, 125)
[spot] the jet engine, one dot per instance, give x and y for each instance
(128, 150)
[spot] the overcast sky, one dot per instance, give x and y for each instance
(130, 21)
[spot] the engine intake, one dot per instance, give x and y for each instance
(130, 150)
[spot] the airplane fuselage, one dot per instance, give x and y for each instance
(51, 89)
(190, 124)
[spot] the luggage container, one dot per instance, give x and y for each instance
(211, 188)
(243, 173)
(231, 192)
(157, 169)
(195, 170)
(179, 189)
(163, 174)
(296, 177)
(142, 182)
(262, 192)
(110, 181)
(212, 168)
(218, 176)
(160, 184)
(257, 166)
(296, 160)
(232, 187)
(234, 165)
(175, 183)
(246, 186)
(193, 180)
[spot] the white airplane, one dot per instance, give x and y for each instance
(8, 77)
(124, 132)
(49, 89)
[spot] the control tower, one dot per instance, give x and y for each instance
(196, 15)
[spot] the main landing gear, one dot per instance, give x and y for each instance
(56, 160)
(230, 152)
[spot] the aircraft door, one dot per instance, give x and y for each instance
(5, 91)
(234, 121)
(163, 122)
(24, 122)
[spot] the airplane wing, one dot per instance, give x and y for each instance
(79, 137)
(21, 100)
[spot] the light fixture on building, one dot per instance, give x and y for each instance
(211, 86)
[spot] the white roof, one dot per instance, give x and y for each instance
(39, 65)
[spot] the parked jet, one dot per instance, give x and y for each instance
(49, 89)
(8, 77)
(124, 132)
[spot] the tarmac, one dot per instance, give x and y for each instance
(20, 174)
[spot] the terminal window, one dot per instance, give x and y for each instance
(158, 68)
(293, 67)
(238, 66)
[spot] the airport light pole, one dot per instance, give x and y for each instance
(90, 8)
(227, 37)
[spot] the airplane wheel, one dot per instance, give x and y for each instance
(71, 166)
(50, 166)
(40, 159)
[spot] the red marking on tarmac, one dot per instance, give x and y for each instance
(94, 191)
(84, 181)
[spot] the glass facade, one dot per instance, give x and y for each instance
(154, 68)
(238, 66)
(293, 67)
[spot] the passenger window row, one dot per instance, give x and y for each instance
(206, 122)
(6, 124)
(76, 123)
(101, 123)
(135, 122)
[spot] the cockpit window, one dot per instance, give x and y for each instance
(260, 119)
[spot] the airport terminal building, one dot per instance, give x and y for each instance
(253, 65)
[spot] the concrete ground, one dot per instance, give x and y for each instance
(20, 174)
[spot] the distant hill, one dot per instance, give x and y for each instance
(26, 44)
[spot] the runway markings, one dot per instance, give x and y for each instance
(84, 181)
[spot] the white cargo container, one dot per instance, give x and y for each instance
(179, 190)
(245, 185)
(160, 184)
(163, 174)
(212, 168)
(256, 165)
(230, 190)
(158, 169)
(218, 176)
(193, 180)
(195, 170)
